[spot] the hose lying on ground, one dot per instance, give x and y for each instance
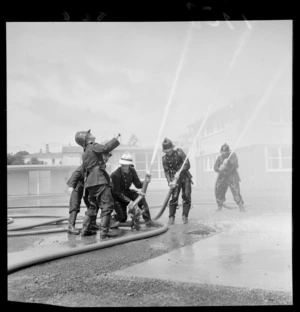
(117, 241)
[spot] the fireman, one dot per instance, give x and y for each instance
(76, 191)
(172, 162)
(97, 181)
(122, 178)
(228, 176)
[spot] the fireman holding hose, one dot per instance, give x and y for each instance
(172, 163)
(228, 176)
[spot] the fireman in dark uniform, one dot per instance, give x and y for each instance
(97, 181)
(76, 190)
(122, 179)
(228, 176)
(172, 162)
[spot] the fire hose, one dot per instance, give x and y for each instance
(40, 259)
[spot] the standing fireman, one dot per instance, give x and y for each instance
(172, 162)
(122, 178)
(228, 176)
(97, 181)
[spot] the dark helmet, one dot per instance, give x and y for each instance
(81, 136)
(225, 148)
(167, 145)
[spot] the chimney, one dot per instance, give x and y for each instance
(47, 148)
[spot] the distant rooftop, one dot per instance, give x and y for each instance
(72, 149)
(44, 155)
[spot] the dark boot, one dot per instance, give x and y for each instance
(146, 216)
(185, 212)
(242, 208)
(171, 220)
(114, 224)
(71, 225)
(93, 225)
(219, 207)
(172, 210)
(105, 224)
(185, 219)
(85, 227)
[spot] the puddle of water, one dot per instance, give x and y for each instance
(258, 257)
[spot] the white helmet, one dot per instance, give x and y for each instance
(126, 159)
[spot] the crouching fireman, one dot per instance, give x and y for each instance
(122, 178)
(76, 191)
(97, 181)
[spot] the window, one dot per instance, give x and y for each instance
(142, 163)
(209, 162)
(278, 158)
(213, 127)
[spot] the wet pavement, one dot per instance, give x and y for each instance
(251, 249)
(247, 255)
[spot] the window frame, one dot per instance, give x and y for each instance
(148, 154)
(212, 160)
(280, 158)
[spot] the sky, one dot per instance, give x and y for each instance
(151, 79)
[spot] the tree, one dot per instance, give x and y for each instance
(16, 159)
(35, 161)
(10, 158)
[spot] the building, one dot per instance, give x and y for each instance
(52, 178)
(46, 157)
(264, 148)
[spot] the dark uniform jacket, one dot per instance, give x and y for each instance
(173, 163)
(76, 181)
(230, 173)
(93, 164)
(121, 183)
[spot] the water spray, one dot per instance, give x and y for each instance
(260, 104)
(234, 58)
(166, 112)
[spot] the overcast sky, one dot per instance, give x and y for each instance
(64, 77)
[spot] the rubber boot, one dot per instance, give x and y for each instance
(172, 210)
(242, 208)
(146, 216)
(219, 207)
(93, 225)
(71, 225)
(185, 213)
(171, 220)
(105, 224)
(114, 224)
(85, 227)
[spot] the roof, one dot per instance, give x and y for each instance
(72, 149)
(44, 155)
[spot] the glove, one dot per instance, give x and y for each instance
(141, 193)
(70, 190)
(130, 206)
(222, 167)
(225, 161)
(177, 174)
(148, 177)
(172, 185)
